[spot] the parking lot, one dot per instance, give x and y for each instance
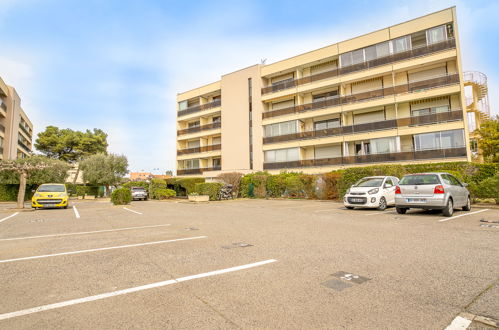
(245, 264)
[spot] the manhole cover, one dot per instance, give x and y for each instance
(336, 285)
(351, 277)
(236, 245)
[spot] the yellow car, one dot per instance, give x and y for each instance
(50, 195)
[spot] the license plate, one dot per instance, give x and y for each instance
(416, 200)
(49, 205)
(359, 200)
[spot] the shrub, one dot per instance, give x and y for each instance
(294, 187)
(121, 196)
(157, 185)
(183, 186)
(164, 193)
(488, 188)
(142, 184)
(92, 190)
(211, 189)
(234, 179)
(8, 192)
(81, 190)
(254, 185)
(309, 185)
(328, 186)
(276, 185)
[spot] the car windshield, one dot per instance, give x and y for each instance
(51, 188)
(419, 179)
(369, 182)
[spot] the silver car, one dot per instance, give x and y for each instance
(432, 191)
(139, 193)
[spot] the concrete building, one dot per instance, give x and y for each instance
(391, 96)
(16, 130)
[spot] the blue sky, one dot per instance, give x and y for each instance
(118, 64)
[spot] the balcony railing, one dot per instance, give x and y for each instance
(409, 87)
(198, 170)
(212, 147)
(372, 158)
(199, 128)
(198, 108)
(25, 130)
(413, 53)
(442, 117)
(23, 146)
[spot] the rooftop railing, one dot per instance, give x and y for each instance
(196, 150)
(413, 53)
(372, 158)
(196, 129)
(436, 118)
(409, 87)
(198, 108)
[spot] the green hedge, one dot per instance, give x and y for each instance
(121, 196)
(164, 193)
(211, 189)
(183, 186)
(142, 184)
(8, 192)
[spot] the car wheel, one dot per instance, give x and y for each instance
(65, 207)
(349, 207)
(449, 209)
(467, 207)
(382, 204)
(401, 210)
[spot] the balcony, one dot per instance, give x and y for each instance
(3, 106)
(409, 87)
(199, 128)
(25, 130)
(212, 147)
(23, 146)
(454, 115)
(198, 170)
(2, 128)
(372, 158)
(199, 108)
(413, 53)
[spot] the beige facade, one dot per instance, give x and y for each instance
(16, 130)
(391, 96)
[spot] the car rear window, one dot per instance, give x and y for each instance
(51, 188)
(419, 179)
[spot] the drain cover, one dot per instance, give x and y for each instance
(351, 277)
(336, 285)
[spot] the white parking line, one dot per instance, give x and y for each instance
(462, 215)
(101, 249)
(458, 323)
(77, 214)
(10, 216)
(129, 290)
(131, 210)
(80, 233)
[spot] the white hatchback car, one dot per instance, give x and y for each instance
(372, 192)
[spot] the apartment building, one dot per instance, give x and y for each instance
(16, 130)
(391, 96)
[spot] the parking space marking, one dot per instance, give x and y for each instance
(10, 216)
(77, 214)
(130, 290)
(462, 215)
(81, 233)
(131, 210)
(458, 323)
(101, 249)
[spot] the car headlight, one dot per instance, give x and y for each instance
(36, 195)
(63, 195)
(373, 191)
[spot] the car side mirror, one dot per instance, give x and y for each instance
(388, 185)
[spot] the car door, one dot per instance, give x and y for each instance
(389, 191)
(452, 189)
(460, 190)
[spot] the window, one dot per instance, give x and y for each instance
(358, 56)
(383, 145)
(346, 59)
(191, 164)
(369, 117)
(438, 140)
(325, 96)
(217, 119)
(436, 34)
(389, 182)
(182, 105)
(401, 44)
(283, 104)
(193, 124)
(419, 179)
(418, 39)
(282, 79)
(324, 67)
(217, 162)
(288, 127)
(325, 124)
(454, 181)
(217, 140)
(282, 155)
(328, 152)
(193, 144)
(427, 74)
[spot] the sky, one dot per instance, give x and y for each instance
(117, 65)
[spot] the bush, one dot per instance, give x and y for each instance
(183, 186)
(157, 185)
(294, 187)
(142, 184)
(328, 186)
(8, 192)
(254, 185)
(276, 185)
(211, 189)
(81, 190)
(121, 196)
(488, 188)
(164, 193)
(234, 179)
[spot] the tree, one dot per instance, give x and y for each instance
(489, 140)
(71, 146)
(104, 169)
(33, 170)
